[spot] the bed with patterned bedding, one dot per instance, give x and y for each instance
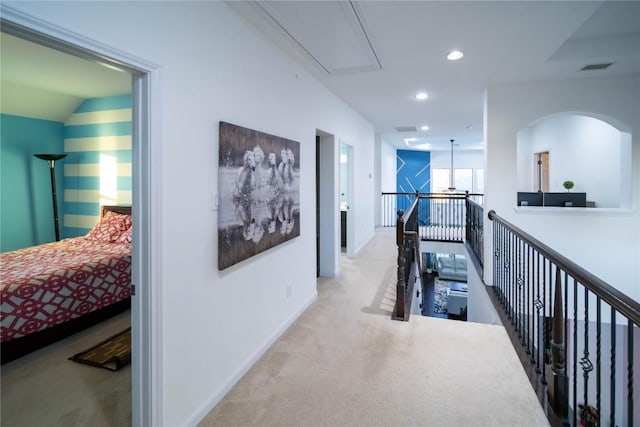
(46, 286)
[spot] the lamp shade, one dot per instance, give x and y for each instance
(50, 156)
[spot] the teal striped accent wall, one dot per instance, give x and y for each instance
(97, 170)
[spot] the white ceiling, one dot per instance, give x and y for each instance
(503, 42)
(376, 55)
(47, 84)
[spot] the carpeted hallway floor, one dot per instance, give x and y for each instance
(345, 363)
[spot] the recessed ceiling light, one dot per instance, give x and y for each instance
(454, 55)
(411, 139)
(421, 96)
(424, 127)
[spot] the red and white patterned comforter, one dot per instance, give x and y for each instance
(45, 285)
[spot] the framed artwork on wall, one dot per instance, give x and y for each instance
(259, 188)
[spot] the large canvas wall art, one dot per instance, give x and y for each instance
(259, 188)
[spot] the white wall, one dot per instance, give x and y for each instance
(582, 149)
(604, 241)
(216, 67)
(388, 167)
(386, 170)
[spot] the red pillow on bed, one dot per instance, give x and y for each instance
(125, 236)
(110, 227)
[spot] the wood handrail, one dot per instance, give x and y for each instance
(612, 296)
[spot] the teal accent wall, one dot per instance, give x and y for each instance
(413, 174)
(414, 171)
(26, 211)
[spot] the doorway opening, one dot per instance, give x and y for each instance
(542, 171)
(144, 401)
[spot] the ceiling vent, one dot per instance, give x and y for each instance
(406, 129)
(596, 67)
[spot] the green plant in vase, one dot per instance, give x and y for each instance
(568, 185)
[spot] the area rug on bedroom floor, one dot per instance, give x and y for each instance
(440, 296)
(112, 353)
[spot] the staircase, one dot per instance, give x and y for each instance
(577, 337)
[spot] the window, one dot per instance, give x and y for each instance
(440, 180)
(463, 180)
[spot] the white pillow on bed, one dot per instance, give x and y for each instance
(110, 227)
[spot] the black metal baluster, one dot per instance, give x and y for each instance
(503, 248)
(449, 220)
(516, 286)
(505, 266)
(457, 212)
(629, 373)
(585, 363)
(612, 410)
(520, 285)
(505, 279)
(538, 304)
(523, 294)
(431, 225)
(543, 380)
(528, 301)
(496, 256)
(598, 356)
(507, 273)
(511, 272)
(566, 336)
(575, 351)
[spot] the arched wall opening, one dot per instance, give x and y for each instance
(589, 151)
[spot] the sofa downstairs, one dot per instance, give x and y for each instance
(452, 267)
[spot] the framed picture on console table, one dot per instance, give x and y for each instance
(259, 188)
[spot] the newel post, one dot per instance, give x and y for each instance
(400, 284)
(558, 395)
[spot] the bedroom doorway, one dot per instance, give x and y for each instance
(143, 385)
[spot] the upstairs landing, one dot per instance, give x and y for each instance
(345, 362)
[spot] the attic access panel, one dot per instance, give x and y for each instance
(332, 34)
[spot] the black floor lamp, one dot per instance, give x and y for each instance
(51, 158)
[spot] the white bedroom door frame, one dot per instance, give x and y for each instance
(146, 204)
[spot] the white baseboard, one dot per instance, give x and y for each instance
(211, 403)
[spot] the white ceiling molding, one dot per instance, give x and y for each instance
(331, 34)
